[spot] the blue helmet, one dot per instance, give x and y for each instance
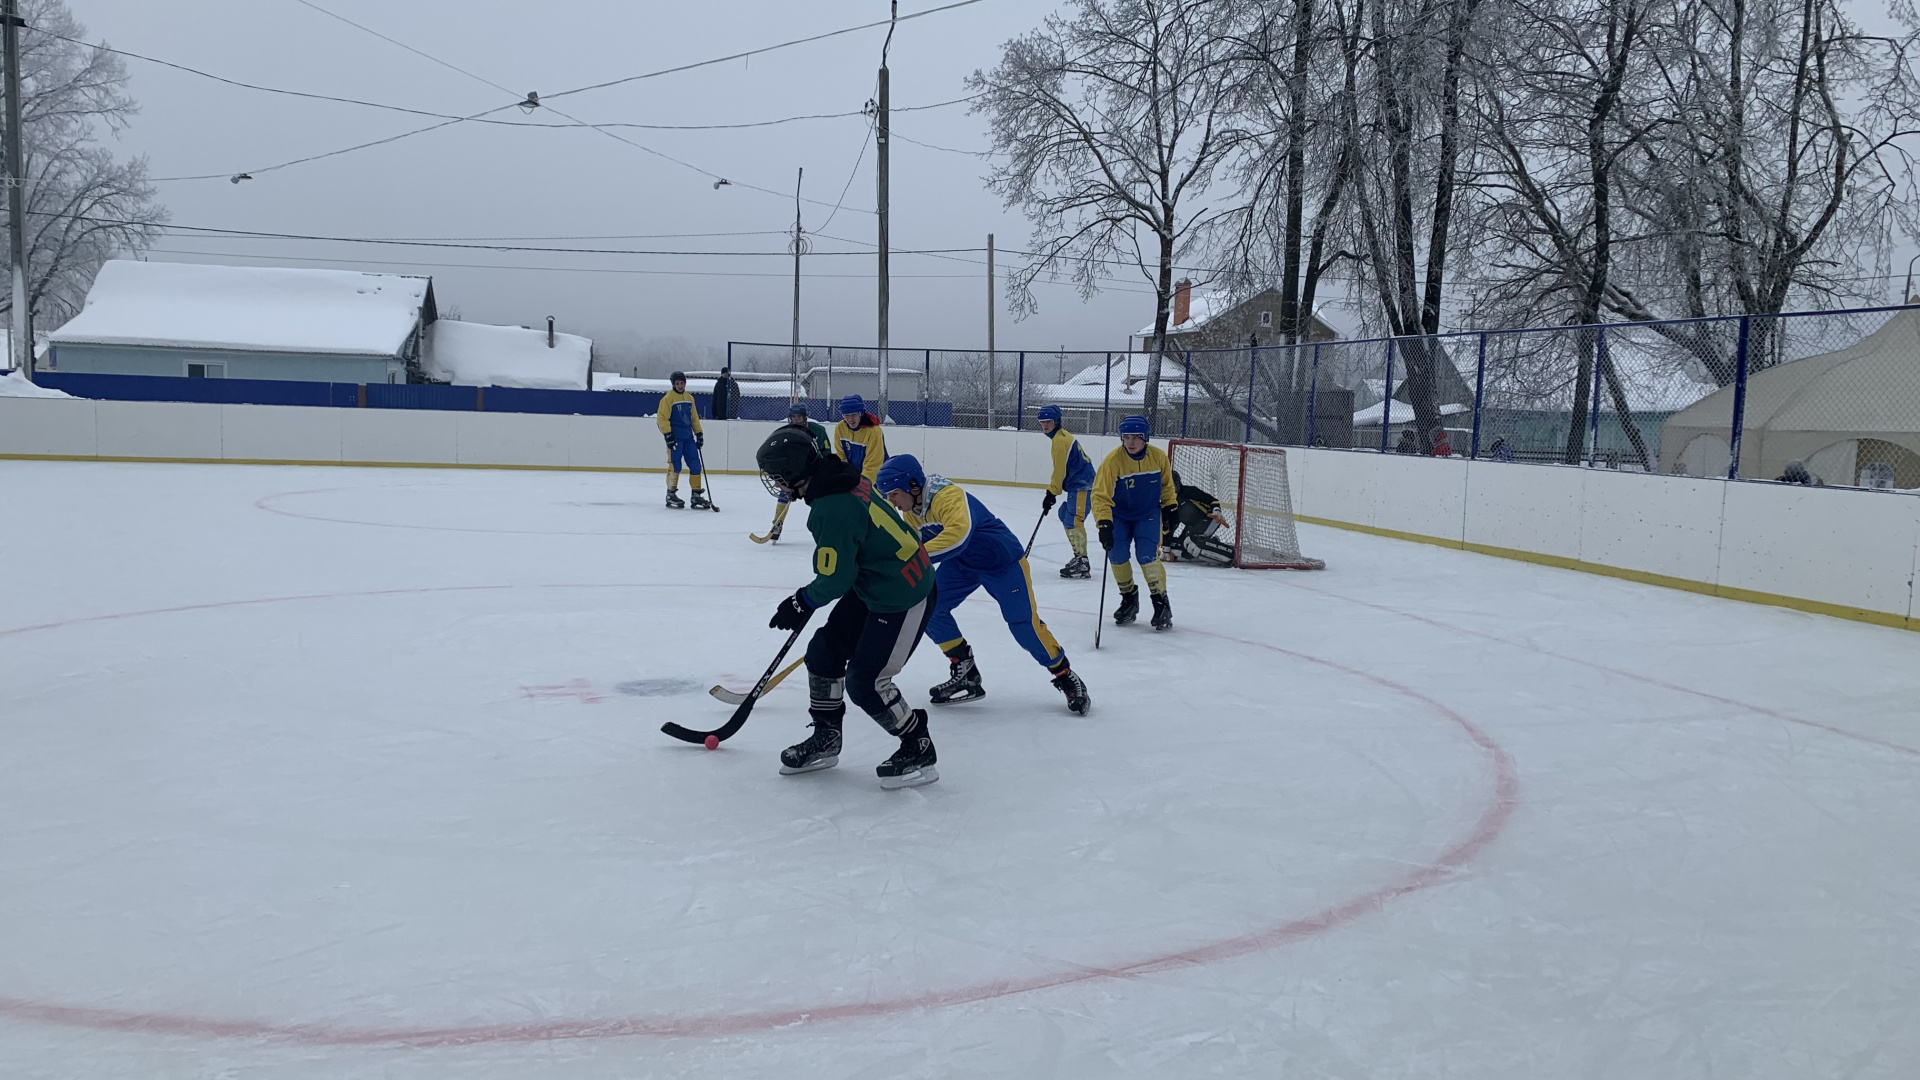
(798, 408)
(1135, 425)
(1049, 412)
(901, 472)
(852, 403)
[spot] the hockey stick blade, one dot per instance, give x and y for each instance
(726, 731)
(759, 539)
(734, 697)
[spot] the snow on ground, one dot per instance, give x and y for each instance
(357, 773)
(16, 384)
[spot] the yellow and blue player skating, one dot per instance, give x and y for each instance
(1072, 484)
(679, 420)
(972, 549)
(857, 438)
(1133, 500)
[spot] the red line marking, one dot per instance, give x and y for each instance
(1621, 672)
(1492, 820)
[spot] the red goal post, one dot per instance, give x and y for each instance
(1251, 484)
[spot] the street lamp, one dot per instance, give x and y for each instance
(1906, 296)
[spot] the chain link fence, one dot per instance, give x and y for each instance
(1820, 397)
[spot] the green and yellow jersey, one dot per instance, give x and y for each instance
(1133, 488)
(862, 546)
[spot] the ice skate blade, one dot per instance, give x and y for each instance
(957, 699)
(925, 774)
(815, 766)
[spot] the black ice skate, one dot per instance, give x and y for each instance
(1078, 700)
(1162, 612)
(1129, 608)
(963, 684)
(1076, 567)
(912, 764)
(821, 750)
(701, 502)
(674, 501)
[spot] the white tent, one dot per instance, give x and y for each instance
(1839, 412)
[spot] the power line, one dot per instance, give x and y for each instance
(404, 45)
(544, 269)
(764, 49)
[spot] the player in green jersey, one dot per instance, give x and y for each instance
(868, 560)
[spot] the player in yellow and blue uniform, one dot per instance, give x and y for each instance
(857, 438)
(972, 549)
(679, 420)
(1133, 499)
(1073, 482)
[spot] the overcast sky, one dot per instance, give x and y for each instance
(475, 180)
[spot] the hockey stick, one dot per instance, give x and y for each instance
(1100, 613)
(726, 731)
(733, 697)
(1035, 535)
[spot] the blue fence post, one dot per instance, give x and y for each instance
(1186, 389)
(1106, 393)
(1313, 393)
(1386, 403)
(1739, 397)
(1253, 366)
(1593, 425)
(1479, 388)
(926, 389)
(1020, 395)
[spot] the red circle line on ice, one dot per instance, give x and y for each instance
(1495, 812)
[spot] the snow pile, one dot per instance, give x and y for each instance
(479, 354)
(15, 384)
(248, 309)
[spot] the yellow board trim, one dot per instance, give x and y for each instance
(1665, 581)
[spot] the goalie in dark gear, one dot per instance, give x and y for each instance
(1198, 527)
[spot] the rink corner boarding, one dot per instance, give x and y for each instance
(1845, 553)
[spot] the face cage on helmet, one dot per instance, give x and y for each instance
(775, 486)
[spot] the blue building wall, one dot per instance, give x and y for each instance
(304, 367)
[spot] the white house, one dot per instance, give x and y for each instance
(246, 322)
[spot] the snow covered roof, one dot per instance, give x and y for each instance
(760, 389)
(1089, 386)
(479, 354)
(1209, 306)
(249, 309)
(1402, 413)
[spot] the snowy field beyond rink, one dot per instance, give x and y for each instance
(336, 772)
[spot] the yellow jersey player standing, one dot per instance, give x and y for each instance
(679, 420)
(1133, 499)
(857, 438)
(1073, 480)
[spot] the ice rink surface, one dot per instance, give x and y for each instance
(318, 772)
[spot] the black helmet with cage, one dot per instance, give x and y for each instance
(787, 457)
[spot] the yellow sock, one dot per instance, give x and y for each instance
(673, 479)
(780, 512)
(1156, 575)
(1078, 538)
(1123, 576)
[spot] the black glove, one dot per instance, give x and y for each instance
(1106, 535)
(700, 439)
(793, 612)
(1046, 502)
(669, 437)
(1169, 516)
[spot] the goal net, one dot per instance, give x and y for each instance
(1251, 484)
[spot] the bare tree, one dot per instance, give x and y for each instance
(83, 206)
(1108, 123)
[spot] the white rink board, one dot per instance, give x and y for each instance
(1761, 538)
(356, 772)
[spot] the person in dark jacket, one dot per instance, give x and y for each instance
(726, 396)
(1407, 444)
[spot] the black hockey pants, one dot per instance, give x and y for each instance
(857, 653)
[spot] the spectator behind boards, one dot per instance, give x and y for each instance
(726, 396)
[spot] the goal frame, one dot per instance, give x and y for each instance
(1242, 450)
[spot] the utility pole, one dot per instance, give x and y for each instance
(880, 144)
(799, 246)
(989, 331)
(16, 179)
